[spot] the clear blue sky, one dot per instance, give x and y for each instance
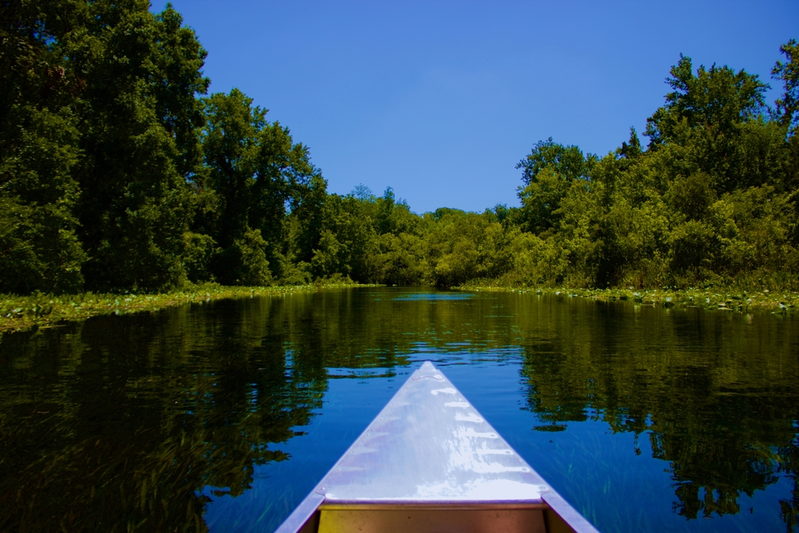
(440, 99)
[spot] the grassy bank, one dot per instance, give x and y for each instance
(709, 298)
(18, 313)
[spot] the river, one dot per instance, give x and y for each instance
(222, 416)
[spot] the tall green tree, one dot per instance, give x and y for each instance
(547, 174)
(138, 76)
(787, 113)
(258, 174)
(707, 120)
(39, 246)
(788, 104)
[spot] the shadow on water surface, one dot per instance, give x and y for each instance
(224, 415)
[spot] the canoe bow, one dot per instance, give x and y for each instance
(430, 462)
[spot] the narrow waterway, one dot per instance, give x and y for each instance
(223, 416)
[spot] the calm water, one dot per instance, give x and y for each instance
(223, 416)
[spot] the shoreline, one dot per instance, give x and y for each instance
(40, 311)
(709, 299)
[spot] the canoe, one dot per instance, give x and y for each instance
(431, 463)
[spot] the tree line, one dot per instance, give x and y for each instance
(118, 172)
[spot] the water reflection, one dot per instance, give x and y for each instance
(716, 397)
(433, 296)
(117, 422)
(223, 415)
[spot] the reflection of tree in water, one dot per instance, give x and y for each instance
(119, 424)
(790, 508)
(718, 401)
(123, 422)
(714, 460)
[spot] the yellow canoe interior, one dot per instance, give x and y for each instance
(426, 519)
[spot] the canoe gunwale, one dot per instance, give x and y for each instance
(567, 513)
(302, 514)
(443, 506)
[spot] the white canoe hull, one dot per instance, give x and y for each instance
(429, 462)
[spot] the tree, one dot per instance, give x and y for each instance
(547, 173)
(565, 160)
(136, 77)
(39, 246)
(631, 150)
(305, 225)
(717, 98)
(385, 212)
(464, 246)
(244, 262)
(707, 118)
(788, 104)
(257, 174)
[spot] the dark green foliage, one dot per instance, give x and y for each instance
(693, 246)
(255, 173)
(402, 260)
(464, 246)
(568, 161)
(547, 174)
(712, 199)
(199, 251)
(788, 104)
(631, 150)
(99, 138)
(39, 248)
(348, 242)
(116, 174)
(244, 262)
(718, 98)
(385, 213)
(139, 136)
(371, 240)
(709, 121)
(692, 195)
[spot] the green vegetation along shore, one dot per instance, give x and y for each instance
(709, 299)
(18, 313)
